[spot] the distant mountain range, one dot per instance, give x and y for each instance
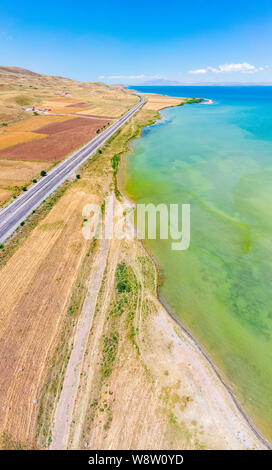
(159, 82)
(164, 82)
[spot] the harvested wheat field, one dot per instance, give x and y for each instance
(5, 194)
(16, 138)
(14, 175)
(33, 123)
(75, 133)
(19, 173)
(35, 287)
(25, 131)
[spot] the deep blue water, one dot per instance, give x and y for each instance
(255, 99)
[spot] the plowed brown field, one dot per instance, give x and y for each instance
(55, 128)
(79, 105)
(64, 139)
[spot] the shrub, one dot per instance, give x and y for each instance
(195, 100)
(23, 100)
(78, 177)
(34, 181)
(123, 284)
(24, 188)
(43, 173)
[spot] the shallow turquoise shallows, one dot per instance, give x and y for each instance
(217, 158)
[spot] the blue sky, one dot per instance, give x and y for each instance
(131, 42)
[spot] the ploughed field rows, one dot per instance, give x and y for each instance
(35, 288)
(25, 131)
(64, 138)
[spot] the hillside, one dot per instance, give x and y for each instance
(45, 118)
(21, 88)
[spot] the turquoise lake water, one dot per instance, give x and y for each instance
(218, 159)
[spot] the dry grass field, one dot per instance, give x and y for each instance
(22, 89)
(5, 194)
(35, 287)
(17, 173)
(14, 175)
(79, 105)
(158, 102)
(110, 109)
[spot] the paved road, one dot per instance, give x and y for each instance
(15, 213)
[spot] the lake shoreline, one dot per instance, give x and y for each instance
(186, 332)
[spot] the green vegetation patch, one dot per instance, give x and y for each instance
(122, 278)
(109, 353)
(195, 100)
(115, 162)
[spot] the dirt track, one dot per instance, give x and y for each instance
(64, 411)
(161, 392)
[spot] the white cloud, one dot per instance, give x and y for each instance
(244, 67)
(198, 71)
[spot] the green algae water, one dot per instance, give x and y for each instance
(217, 158)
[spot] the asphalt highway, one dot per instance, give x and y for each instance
(16, 212)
